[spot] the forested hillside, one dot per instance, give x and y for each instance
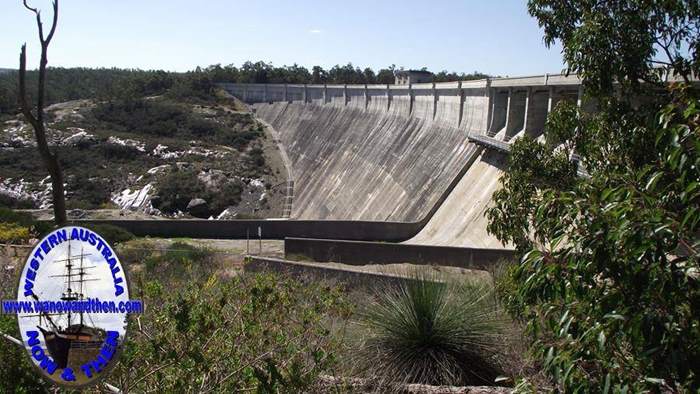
(64, 84)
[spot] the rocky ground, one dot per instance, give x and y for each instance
(112, 170)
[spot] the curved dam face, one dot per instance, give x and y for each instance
(400, 153)
(460, 220)
(388, 160)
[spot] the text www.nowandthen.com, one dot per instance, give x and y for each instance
(90, 305)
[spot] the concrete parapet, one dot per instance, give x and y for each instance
(477, 106)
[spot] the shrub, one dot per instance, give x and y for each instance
(16, 375)
(241, 139)
(16, 203)
(180, 186)
(135, 251)
(119, 151)
(431, 332)
(146, 116)
(178, 263)
(608, 282)
(176, 189)
(155, 117)
(181, 252)
(112, 234)
(12, 233)
(24, 219)
(261, 333)
(194, 86)
(256, 157)
(87, 193)
(199, 127)
(229, 194)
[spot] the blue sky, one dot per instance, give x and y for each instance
(496, 37)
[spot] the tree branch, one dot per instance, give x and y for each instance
(24, 105)
(53, 23)
(34, 10)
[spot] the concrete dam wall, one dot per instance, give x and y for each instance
(403, 153)
(376, 163)
(460, 221)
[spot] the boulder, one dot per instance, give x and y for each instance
(212, 179)
(79, 139)
(198, 207)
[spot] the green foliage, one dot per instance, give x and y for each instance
(147, 116)
(610, 289)
(16, 373)
(163, 118)
(16, 203)
(202, 332)
(608, 280)
(256, 157)
(87, 193)
(177, 188)
(261, 333)
(261, 72)
(241, 139)
(181, 251)
(446, 76)
(533, 167)
(229, 194)
(64, 84)
(193, 86)
(112, 234)
(432, 332)
(24, 220)
(177, 264)
(11, 233)
(620, 40)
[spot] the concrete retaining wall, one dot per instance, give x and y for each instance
(352, 278)
(362, 253)
(270, 229)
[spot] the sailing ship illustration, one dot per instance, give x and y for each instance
(71, 340)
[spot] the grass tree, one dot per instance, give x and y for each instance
(433, 332)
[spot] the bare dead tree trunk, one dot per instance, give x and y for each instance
(50, 159)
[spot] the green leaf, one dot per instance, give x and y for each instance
(601, 340)
(653, 180)
(606, 388)
(614, 316)
(550, 355)
(654, 380)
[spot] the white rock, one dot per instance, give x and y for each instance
(138, 145)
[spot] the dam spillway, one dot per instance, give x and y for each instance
(404, 153)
